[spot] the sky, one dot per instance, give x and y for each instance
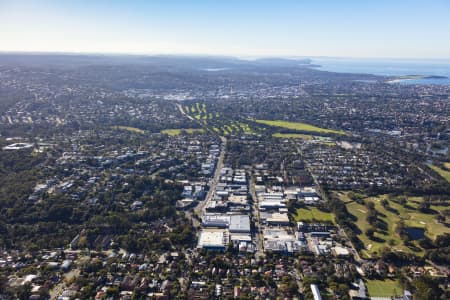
(243, 28)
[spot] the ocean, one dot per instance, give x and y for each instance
(390, 67)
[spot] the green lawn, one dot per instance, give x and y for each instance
(298, 126)
(343, 196)
(313, 214)
(445, 174)
(329, 144)
(384, 288)
(128, 128)
(227, 130)
(173, 132)
(197, 107)
(198, 111)
(373, 247)
(246, 128)
(293, 136)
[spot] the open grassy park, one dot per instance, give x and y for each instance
(384, 288)
(128, 128)
(313, 214)
(392, 215)
(298, 126)
(173, 132)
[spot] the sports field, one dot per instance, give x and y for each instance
(313, 214)
(384, 288)
(128, 128)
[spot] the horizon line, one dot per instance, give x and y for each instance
(187, 54)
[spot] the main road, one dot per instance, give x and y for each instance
(200, 208)
(255, 212)
(327, 200)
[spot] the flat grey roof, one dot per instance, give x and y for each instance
(240, 223)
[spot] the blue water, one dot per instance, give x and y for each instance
(389, 67)
(415, 233)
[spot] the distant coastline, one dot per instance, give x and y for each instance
(394, 71)
(414, 77)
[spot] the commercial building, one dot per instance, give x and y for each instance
(213, 239)
(278, 219)
(239, 224)
(235, 223)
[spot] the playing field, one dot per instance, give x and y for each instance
(313, 214)
(384, 288)
(127, 128)
(173, 132)
(298, 126)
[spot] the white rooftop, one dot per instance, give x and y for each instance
(213, 238)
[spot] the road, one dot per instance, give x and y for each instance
(200, 208)
(324, 196)
(255, 212)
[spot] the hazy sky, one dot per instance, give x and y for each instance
(357, 28)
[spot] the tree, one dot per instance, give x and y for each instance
(370, 233)
(402, 201)
(112, 292)
(440, 218)
(424, 206)
(370, 205)
(400, 228)
(372, 217)
(24, 291)
(442, 240)
(426, 288)
(292, 287)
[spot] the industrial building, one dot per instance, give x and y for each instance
(235, 223)
(213, 239)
